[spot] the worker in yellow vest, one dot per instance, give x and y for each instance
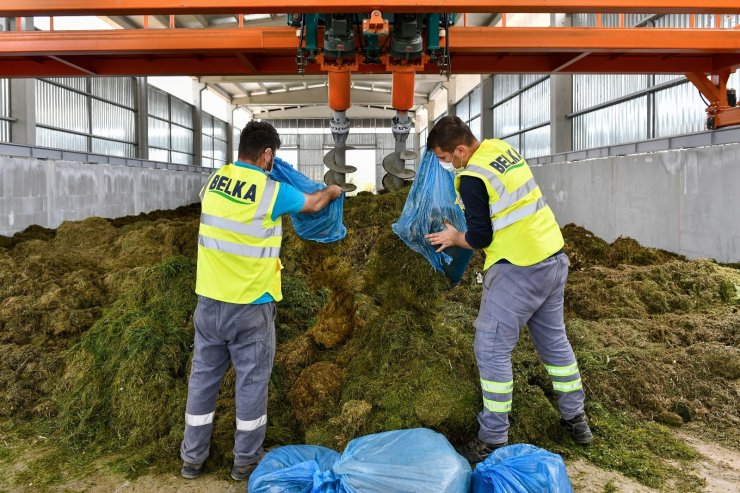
(525, 274)
(238, 284)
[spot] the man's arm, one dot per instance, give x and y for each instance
(316, 201)
(477, 218)
(290, 200)
(474, 195)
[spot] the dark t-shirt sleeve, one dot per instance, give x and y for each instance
(474, 196)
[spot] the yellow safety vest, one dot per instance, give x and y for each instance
(238, 242)
(524, 228)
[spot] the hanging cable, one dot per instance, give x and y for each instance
(702, 97)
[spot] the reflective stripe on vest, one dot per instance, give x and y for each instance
(518, 214)
(203, 190)
(251, 229)
(237, 249)
(511, 198)
(264, 205)
(490, 176)
(507, 199)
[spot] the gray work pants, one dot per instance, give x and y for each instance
(244, 334)
(512, 297)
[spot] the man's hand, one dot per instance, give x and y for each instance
(448, 237)
(334, 191)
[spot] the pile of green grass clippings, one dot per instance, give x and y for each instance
(96, 335)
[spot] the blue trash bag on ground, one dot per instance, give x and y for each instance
(521, 469)
(402, 461)
(324, 226)
(418, 460)
(291, 469)
(431, 202)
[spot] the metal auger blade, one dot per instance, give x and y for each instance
(330, 179)
(331, 162)
(392, 183)
(408, 155)
(393, 164)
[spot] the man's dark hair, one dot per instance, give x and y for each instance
(448, 133)
(255, 138)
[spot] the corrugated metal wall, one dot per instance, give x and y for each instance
(87, 114)
(476, 101)
(673, 110)
(679, 109)
(311, 155)
(624, 122)
(661, 113)
(170, 128)
(521, 112)
(4, 110)
(468, 109)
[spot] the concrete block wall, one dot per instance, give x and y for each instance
(47, 192)
(685, 201)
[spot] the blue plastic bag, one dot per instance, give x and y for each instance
(418, 460)
(324, 226)
(401, 461)
(291, 469)
(430, 203)
(521, 469)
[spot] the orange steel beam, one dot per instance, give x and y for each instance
(272, 51)
(28, 8)
(727, 117)
(462, 40)
(149, 41)
(229, 64)
(719, 112)
(511, 39)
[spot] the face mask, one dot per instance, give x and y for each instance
(450, 165)
(455, 169)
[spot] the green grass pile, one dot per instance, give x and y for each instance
(96, 334)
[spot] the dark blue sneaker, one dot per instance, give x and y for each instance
(190, 470)
(578, 429)
(477, 451)
(240, 473)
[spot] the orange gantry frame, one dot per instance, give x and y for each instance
(249, 50)
(706, 55)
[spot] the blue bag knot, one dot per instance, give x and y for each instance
(324, 481)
